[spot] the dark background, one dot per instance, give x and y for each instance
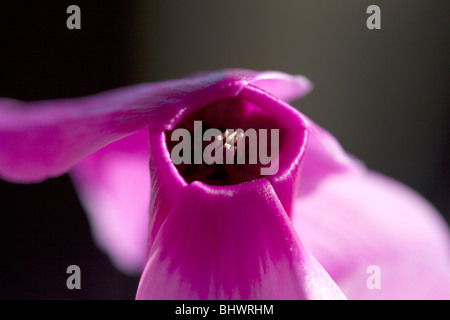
(382, 93)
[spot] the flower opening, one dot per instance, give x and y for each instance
(227, 142)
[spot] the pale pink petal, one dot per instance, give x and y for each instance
(352, 219)
(113, 184)
(281, 85)
(399, 279)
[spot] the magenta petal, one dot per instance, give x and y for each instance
(166, 180)
(44, 139)
(355, 220)
(114, 186)
(47, 138)
(234, 242)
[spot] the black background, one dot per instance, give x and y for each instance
(43, 228)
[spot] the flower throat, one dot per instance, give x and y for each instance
(220, 155)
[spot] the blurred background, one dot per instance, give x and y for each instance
(383, 93)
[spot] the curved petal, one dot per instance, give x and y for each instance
(324, 155)
(165, 176)
(352, 221)
(44, 139)
(233, 242)
(281, 85)
(113, 184)
(47, 138)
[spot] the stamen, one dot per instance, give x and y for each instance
(231, 136)
(231, 146)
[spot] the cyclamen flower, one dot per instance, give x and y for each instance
(310, 231)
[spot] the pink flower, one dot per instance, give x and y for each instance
(312, 230)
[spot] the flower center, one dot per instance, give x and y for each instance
(222, 159)
(225, 143)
